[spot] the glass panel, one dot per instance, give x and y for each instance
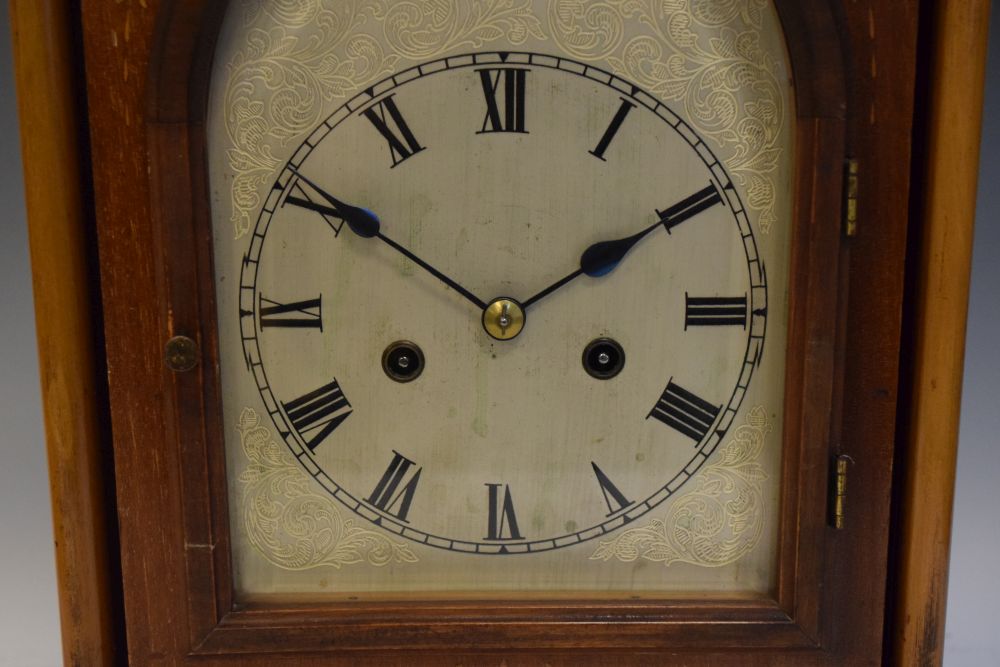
(493, 308)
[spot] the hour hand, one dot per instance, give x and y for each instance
(601, 258)
(597, 260)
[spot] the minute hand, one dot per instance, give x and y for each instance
(434, 272)
(603, 257)
(366, 224)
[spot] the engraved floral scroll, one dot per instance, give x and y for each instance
(703, 55)
(717, 520)
(292, 526)
(298, 60)
(704, 58)
(282, 81)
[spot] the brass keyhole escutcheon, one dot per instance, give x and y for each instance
(503, 318)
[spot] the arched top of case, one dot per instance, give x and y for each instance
(186, 31)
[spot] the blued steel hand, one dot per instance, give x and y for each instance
(603, 257)
(366, 224)
(361, 221)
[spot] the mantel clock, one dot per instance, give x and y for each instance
(528, 330)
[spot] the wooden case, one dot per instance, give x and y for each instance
(147, 66)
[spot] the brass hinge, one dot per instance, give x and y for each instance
(851, 198)
(838, 490)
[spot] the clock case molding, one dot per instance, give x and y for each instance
(147, 90)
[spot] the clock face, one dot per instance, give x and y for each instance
(494, 303)
(487, 177)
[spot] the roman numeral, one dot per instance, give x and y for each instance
(297, 196)
(402, 143)
(611, 492)
(512, 119)
(690, 207)
(388, 496)
(316, 415)
(296, 315)
(684, 412)
(715, 311)
(612, 130)
(502, 524)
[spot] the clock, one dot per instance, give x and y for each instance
(502, 302)
(537, 330)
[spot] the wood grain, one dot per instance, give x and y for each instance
(52, 119)
(147, 64)
(879, 136)
(116, 40)
(944, 220)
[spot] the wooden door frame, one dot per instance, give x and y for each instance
(76, 499)
(179, 68)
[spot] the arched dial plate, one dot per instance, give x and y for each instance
(490, 175)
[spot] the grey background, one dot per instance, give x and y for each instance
(972, 628)
(29, 619)
(29, 613)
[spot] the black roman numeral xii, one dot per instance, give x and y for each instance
(514, 85)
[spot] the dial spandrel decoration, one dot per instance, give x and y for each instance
(503, 309)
